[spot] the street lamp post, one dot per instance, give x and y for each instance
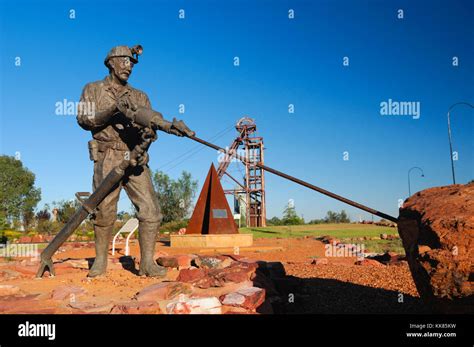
(409, 171)
(449, 135)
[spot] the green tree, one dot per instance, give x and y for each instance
(274, 221)
(331, 217)
(290, 217)
(66, 209)
(43, 215)
(124, 216)
(174, 196)
(334, 217)
(18, 194)
(343, 217)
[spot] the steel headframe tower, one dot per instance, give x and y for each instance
(254, 181)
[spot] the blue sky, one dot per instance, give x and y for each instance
(282, 62)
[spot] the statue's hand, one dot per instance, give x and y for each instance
(142, 159)
(179, 128)
(127, 107)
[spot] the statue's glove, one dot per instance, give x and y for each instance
(146, 117)
(142, 159)
(179, 128)
(127, 107)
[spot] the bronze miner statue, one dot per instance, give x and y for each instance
(122, 120)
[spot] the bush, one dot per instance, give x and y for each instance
(274, 221)
(10, 235)
(49, 228)
(32, 233)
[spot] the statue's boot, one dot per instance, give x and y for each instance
(102, 239)
(147, 237)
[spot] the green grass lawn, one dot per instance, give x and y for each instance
(382, 246)
(344, 231)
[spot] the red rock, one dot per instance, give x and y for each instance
(78, 263)
(238, 272)
(26, 270)
(328, 239)
(369, 262)
(178, 308)
(163, 291)
(6, 289)
(172, 274)
(225, 288)
(179, 261)
(442, 220)
(236, 257)
(24, 239)
(37, 239)
(91, 307)
(136, 307)
(234, 310)
(27, 305)
(216, 262)
(209, 305)
(191, 275)
(7, 274)
(248, 298)
(67, 292)
(208, 282)
(388, 258)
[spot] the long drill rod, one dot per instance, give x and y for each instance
(301, 182)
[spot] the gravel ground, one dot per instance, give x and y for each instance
(336, 287)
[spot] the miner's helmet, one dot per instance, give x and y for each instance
(124, 51)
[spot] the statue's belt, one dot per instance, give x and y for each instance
(119, 146)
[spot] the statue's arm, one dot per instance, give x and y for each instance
(145, 116)
(87, 115)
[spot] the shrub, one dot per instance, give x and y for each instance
(10, 235)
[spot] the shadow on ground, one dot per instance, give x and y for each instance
(329, 296)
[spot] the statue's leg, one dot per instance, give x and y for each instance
(106, 212)
(102, 240)
(139, 188)
(147, 238)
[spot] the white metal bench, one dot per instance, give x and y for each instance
(129, 227)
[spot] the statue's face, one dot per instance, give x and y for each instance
(121, 68)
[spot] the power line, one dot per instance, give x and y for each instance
(200, 148)
(196, 148)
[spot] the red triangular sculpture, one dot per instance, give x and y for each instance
(212, 214)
